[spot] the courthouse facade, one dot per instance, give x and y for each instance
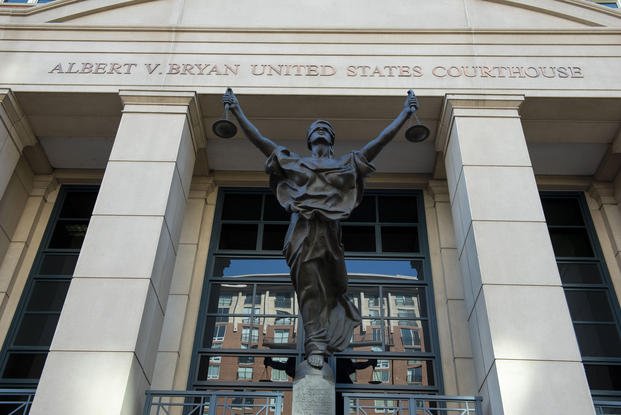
(140, 252)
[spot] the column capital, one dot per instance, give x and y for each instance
(18, 127)
(202, 187)
(167, 102)
(474, 105)
(439, 191)
(15, 121)
(603, 193)
(610, 166)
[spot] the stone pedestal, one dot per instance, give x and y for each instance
(313, 391)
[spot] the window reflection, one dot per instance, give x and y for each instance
(396, 372)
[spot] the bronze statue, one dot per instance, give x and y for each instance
(319, 191)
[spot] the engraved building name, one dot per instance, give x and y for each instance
(317, 70)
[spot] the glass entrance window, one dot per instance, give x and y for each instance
(593, 306)
(249, 325)
(28, 340)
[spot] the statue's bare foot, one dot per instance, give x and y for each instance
(315, 360)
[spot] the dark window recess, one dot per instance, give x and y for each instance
(580, 273)
(603, 377)
(274, 237)
(48, 295)
(26, 366)
(562, 211)
(571, 242)
(68, 234)
(78, 205)
(400, 209)
(358, 238)
(272, 211)
(598, 340)
(54, 264)
(399, 239)
(593, 307)
(236, 236)
(241, 207)
(365, 212)
(29, 338)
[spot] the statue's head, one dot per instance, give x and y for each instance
(323, 129)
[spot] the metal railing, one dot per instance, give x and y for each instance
(16, 401)
(402, 404)
(607, 407)
(213, 403)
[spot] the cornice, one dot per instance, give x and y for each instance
(275, 30)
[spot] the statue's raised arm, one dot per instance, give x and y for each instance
(373, 147)
(263, 143)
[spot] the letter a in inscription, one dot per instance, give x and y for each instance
(57, 69)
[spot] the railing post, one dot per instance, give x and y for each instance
(28, 404)
(148, 402)
(478, 405)
(213, 402)
(279, 404)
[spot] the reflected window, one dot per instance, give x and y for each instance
(244, 373)
(403, 300)
(218, 334)
(250, 335)
(282, 301)
(213, 372)
(282, 320)
(281, 336)
(224, 302)
(251, 311)
(381, 375)
(410, 338)
(415, 375)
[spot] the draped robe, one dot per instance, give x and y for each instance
(319, 192)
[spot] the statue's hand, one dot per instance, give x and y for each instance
(411, 103)
(230, 99)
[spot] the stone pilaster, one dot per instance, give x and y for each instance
(525, 352)
(187, 270)
(603, 194)
(457, 358)
(15, 173)
(103, 353)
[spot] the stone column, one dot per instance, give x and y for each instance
(525, 351)
(103, 353)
